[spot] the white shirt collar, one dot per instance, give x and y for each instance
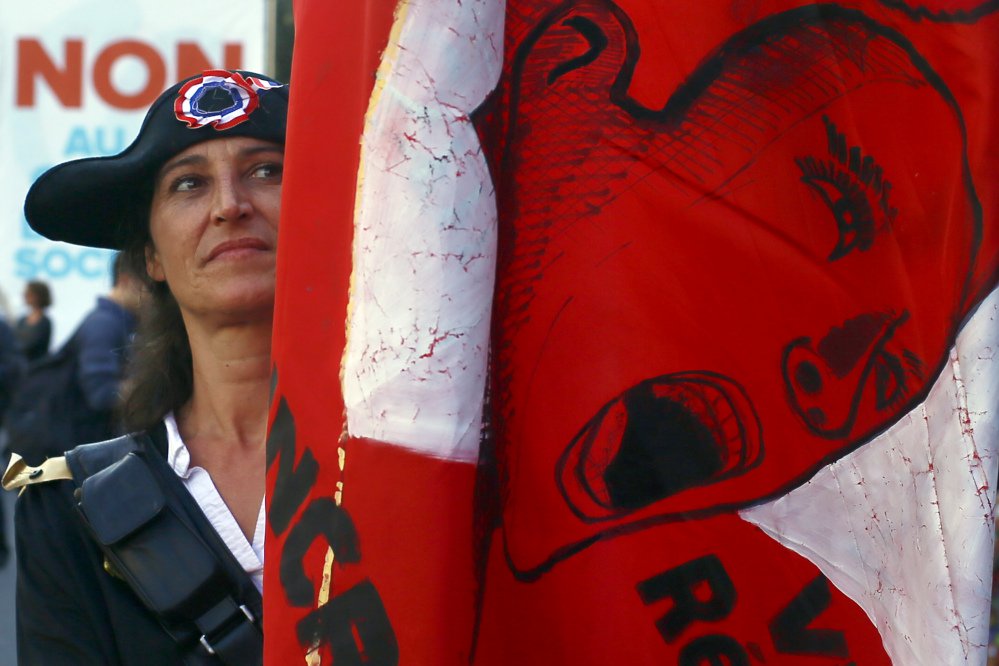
(178, 457)
(199, 483)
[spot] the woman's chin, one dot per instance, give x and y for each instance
(245, 302)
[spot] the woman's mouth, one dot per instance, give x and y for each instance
(238, 247)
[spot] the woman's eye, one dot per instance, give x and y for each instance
(268, 171)
(185, 184)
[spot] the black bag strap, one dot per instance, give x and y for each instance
(156, 538)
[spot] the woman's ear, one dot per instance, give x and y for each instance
(153, 266)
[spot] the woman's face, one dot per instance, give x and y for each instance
(213, 223)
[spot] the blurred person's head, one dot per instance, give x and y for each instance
(127, 287)
(37, 295)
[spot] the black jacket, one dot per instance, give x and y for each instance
(34, 339)
(70, 611)
(11, 366)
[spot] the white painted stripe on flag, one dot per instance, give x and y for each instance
(414, 367)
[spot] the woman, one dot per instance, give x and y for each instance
(194, 203)
(34, 330)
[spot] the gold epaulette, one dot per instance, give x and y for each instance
(20, 474)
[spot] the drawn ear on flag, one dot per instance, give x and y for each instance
(778, 194)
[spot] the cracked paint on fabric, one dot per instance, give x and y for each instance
(425, 233)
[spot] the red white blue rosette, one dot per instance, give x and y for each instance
(232, 99)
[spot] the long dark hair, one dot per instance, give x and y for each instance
(159, 376)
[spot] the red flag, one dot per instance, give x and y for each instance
(623, 331)
(376, 433)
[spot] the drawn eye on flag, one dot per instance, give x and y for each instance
(626, 332)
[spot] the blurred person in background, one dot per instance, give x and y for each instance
(70, 396)
(5, 311)
(11, 365)
(34, 330)
(102, 344)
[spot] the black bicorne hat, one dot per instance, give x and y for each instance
(93, 201)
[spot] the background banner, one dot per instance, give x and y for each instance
(76, 77)
(714, 285)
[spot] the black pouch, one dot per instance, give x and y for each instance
(141, 517)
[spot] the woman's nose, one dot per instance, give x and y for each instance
(230, 202)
